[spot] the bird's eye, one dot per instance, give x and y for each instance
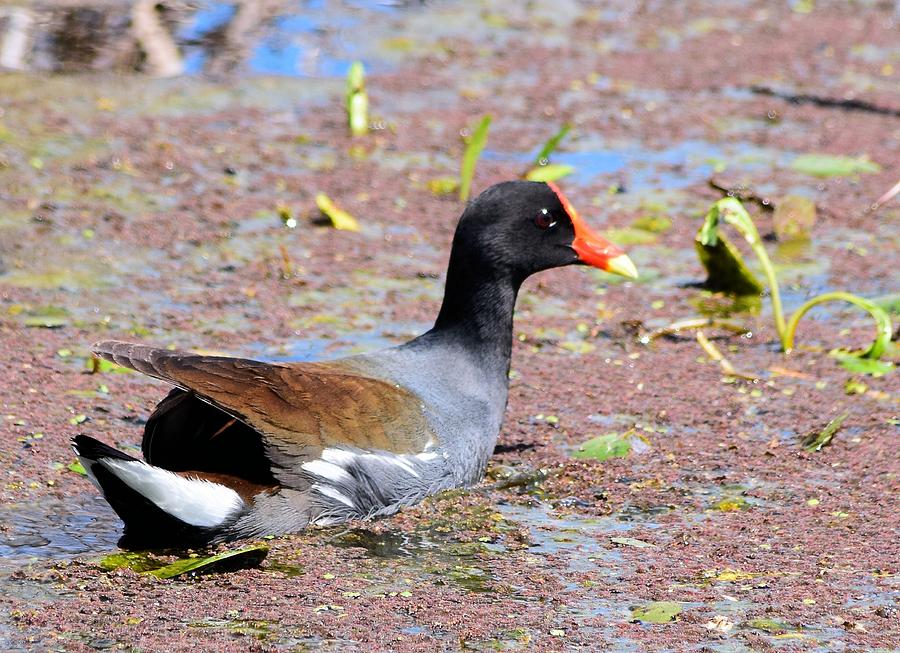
(544, 220)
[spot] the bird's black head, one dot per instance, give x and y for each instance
(517, 228)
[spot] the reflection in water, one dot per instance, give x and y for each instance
(170, 37)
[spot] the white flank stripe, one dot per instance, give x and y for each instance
(331, 465)
(338, 456)
(399, 462)
(329, 491)
(327, 470)
(193, 501)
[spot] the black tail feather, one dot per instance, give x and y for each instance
(87, 447)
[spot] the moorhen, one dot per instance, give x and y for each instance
(242, 448)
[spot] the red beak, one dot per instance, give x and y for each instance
(592, 248)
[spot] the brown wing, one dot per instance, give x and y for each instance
(299, 408)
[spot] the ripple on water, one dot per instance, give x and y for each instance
(56, 529)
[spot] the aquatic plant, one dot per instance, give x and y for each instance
(357, 100)
(475, 143)
(728, 273)
(731, 211)
(541, 169)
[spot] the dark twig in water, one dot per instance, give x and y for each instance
(742, 193)
(827, 102)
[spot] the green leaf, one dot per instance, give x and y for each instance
(855, 387)
(549, 172)
(725, 268)
(827, 165)
(868, 366)
(357, 100)
(77, 467)
(769, 625)
(658, 612)
(543, 156)
(655, 224)
(48, 317)
(630, 541)
(731, 211)
(139, 561)
(815, 441)
(97, 365)
(731, 504)
(611, 445)
(339, 218)
(247, 557)
(45, 321)
(474, 145)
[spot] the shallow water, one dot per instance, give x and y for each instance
(640, 168)
(56, 529)
(290, 69)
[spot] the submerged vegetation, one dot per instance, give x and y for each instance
(145, 562)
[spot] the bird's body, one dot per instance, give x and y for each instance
(244, 448)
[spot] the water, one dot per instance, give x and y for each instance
(56, 529)
(678, 166)
(303, 39)
(346, 344)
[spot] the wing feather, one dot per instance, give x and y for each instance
(298, 408)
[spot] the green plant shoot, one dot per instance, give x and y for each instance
(549, 172)
(474, 145)
(541, 169)
(731, 211)
(357, 100)
(815, 441)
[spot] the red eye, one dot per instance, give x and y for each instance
(544, 220)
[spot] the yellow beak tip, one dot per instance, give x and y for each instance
(622, 265)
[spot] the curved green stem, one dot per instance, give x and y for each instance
(882, 321)
(774, 291)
